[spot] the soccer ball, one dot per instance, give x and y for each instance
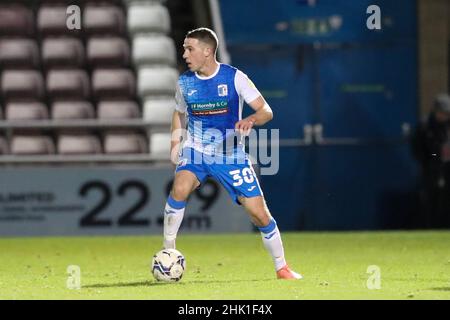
(168, 265)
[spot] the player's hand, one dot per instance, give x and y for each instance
(174, 154)
(245, 126)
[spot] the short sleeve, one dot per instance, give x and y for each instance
(180, 103)
(245, 87)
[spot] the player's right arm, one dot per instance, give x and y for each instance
(177, 131)
(178, 125)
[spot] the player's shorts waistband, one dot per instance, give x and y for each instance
(191, 155)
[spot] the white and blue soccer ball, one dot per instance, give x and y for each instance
(168, 265)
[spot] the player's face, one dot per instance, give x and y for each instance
(195, 54)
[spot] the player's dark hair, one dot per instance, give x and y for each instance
(205, 35)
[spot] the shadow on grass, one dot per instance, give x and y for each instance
(151, 283)
(440, 289)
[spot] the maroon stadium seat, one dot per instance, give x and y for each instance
(26, 111)
(52, 20)
(32, 145)
(16, 20)
(104, 20)
(118, 110)
(68, 85)
(108, 52)
(125, 143)
(63, 53)
(18, 54)
(114, 84)
(3, 145)
(72, 110)
(22, 85)
(78, 143)
(83, 2)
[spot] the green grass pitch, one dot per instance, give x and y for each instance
(412, 265)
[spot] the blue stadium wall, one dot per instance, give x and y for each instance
(320, 64)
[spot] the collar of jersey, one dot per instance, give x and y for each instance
(211, 76)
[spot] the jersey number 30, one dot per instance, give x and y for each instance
(247, 176)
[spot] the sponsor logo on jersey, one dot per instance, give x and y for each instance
(222, 90)
(209, 108)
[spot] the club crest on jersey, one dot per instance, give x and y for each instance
(223, 90)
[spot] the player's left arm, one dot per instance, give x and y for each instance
(263, 114)
(251, 95)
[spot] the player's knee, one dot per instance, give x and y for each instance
(260, 218)
(180, 192)
(263, 220)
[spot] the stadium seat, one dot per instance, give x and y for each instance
(72, 110)
(31, 145)
(130, 2)
(113, 84)
(104, 20)
(26, 111)
(68, 84)
(18, 54)
(145, 18)
(148, 50)
(22, 85)
(160, 145)
(52, 21)
(118, 110)
(82, 3)
(157, 81)
(78, 143)
(125, 143)
(3, 145)
(63, 53)
(159, 111)
(16, 20)
(108, 52)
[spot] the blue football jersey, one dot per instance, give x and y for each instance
(213, 106)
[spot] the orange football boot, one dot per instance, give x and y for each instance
(287, 273)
